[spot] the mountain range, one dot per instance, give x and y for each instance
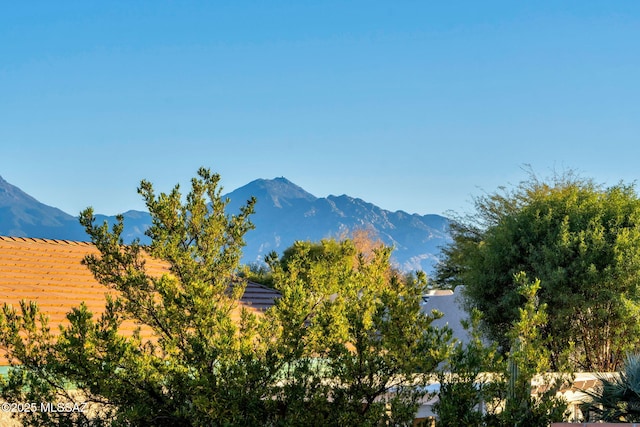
(284, 213)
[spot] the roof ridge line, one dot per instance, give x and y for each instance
(43, 240)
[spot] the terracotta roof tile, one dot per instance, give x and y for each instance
(50, 272)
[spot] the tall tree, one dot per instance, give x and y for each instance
(581, 240)
(359, 334)
(207, 362)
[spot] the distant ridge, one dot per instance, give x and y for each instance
(23, 216)
(285, 213)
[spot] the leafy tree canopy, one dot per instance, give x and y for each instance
(582, 241)
(363, 326)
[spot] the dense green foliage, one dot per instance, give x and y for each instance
(363, 325)
(346, 344)
(583, 243)
(470, 380)
(528, 366)
(204, 367)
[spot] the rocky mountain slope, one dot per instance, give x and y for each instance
(286, 212)
(23, 216)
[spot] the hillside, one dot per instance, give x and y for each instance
(23, 216)
(285, 213)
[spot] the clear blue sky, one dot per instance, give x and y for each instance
(412, 105)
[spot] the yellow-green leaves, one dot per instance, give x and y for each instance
(354, 339)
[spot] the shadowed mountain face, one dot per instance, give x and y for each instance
(284, 213)
(23, 216)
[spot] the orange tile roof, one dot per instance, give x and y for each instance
(50, 272)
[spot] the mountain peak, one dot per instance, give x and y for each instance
(279, 191)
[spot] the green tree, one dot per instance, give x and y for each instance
(346, 344)
(204, 367)
(528, 366)
(581, 240)
(363, 349)
(471, 387)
